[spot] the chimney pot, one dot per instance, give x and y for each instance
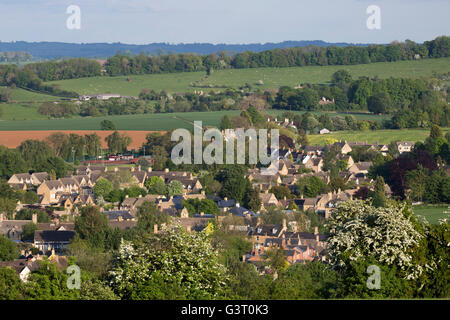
(155, 228)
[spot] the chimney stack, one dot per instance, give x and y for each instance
(166, 170)
(2, 217)
(284, 224)
(34, 218)
(155, 228)
(316, 230)
(149, 169)
(188, 228)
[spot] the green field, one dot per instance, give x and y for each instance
(22, 95)
(20, 111)
(432, 213)
(272, 77)
(150, 122)
(377, 136)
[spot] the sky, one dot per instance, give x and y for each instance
(224, 21)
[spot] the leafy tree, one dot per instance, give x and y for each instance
(11, 162)
(28, 231)
(379, 103)
(276, 259)
(207, 206)
(311, 187)
(341, 77)
(49, 283)
(8, 249)
(103, 187)
(159, 157)
(107, 125)
(35, 152)
(96, 290)
(390, 235)
(118, 143)
(92, 226)
(148, 215)
(174, 264)
(27, 214)
(156, 185)
(251, 199)
(11, 287)
(416, 181)
(379, 194)
(175, 187)
(143, 163)
(225, 123)
(136, 191)
(353, 283)
(281, 192)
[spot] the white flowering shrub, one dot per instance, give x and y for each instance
(174, 259)
(387, 234)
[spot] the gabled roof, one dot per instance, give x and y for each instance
(68, 181)
(54, 184)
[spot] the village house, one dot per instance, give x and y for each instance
(343, 147)
(268, 200)
(405, 146)
(360, 167)
(315, 164)
(48, 240)
(22, 267)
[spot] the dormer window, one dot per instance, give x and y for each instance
(274, 230)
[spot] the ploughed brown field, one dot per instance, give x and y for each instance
(13, 139)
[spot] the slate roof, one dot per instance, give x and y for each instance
(114, 215)
(53, 236)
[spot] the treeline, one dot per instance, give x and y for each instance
(31, 155)
(65, 69)
(289, 57)
(13, 76)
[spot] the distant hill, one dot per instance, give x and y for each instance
(55, 50)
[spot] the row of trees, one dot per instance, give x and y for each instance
(73, 146)
(13, 76)
(289, 57)
(65, 69)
